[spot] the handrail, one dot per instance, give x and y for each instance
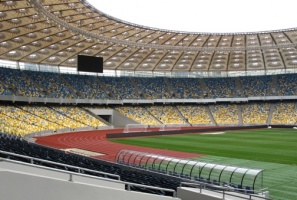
(79, 172)
(60, 164)
(60, 170)
(140, 101)
(151, 187)
(222, 190)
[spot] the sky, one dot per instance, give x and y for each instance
(212, 16)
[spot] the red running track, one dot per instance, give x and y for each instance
(96, 141)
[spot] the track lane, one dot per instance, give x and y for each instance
(96, 141)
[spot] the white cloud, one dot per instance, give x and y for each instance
(219, 16)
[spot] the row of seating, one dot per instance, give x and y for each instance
(24, 119)
(166, 114)
(221, 88)
(223, 114)
(79, 115)
(257, 86)
(189, 88)
(54, 85)
(15, 144)
(285, 113)
(88, 86)
(139, 114)
(255, 113)
(19, 83)
(195, 114)
(286, 84)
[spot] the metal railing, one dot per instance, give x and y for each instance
(13, 98)
(78, 169)
(79, 172)
(151, 187)
(223, 190)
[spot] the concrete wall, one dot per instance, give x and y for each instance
(186, 193)
(117, 119)
(20, 186)
(191, 194)
(27, 181)
(59, 175)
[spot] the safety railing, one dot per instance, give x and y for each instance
(79, 172)
(225, 191)
(78, 169)
(151, 187)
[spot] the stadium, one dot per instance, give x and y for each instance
(174, 115)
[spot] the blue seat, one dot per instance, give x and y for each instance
(249, 190)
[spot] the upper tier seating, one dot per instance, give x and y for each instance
(54, 85)
(88, 87)
(153, 88)
(120, 87)
(256, 85)
(287, 84)
(220, 88)
(187, 88)
(4, 90)
(21, 84)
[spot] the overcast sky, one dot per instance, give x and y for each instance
(204, 15)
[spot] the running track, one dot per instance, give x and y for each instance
(96, 141)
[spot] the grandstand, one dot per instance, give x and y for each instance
(165, 81)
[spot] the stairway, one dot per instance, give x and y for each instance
(271, 110)
(96, 116)
(41, 90)
(109, 94)
(170, 88)
(70, 86)
(240, 115)
(237, 92)
(210, 115)
(144, 108)
(12, 90)
(181, 115)
(139, 91)
(205, 89)
(273, 89)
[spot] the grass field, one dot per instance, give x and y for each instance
(274, 150)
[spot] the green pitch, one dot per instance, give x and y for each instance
(272, 149)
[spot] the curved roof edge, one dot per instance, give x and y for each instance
(90, 6)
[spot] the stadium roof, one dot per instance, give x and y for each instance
(54, 31)
(223, 16)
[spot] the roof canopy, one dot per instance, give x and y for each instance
(54, 32)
